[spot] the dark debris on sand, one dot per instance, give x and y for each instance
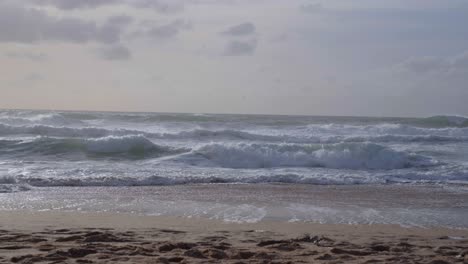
(170, 246)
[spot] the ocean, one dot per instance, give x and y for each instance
(51, 151)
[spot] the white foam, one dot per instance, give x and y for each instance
(382, 129)
(311, 134)
(337, 156)
(243, 213)
(53, 119)
(107, 149)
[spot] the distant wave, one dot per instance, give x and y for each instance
(313, 134)
(53, 131)
(54, 119)
(310, 137)
(385, 129)
(357, 156)
(445, 121)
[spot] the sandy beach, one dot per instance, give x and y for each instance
(60, 237)
(233, 131)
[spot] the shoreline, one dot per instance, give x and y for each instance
(30, 221)
(421, 206)
(71, 237)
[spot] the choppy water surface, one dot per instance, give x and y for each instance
(379, 163)
(43, 148)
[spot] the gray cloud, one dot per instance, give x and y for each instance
(432, 64)
(27, 25)
(120, 20)
(111, 31)
(243, 29)
(33, 77)
(26, 55)
(116, 52)
(460, 61)
(311, 8)
(163, 6)
(75, 4)
(169, 30)
(424, 64)
(240, 48)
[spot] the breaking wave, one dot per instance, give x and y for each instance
(356, 156)
(445, 121)
(319, 178)
(53, 119)
(132, 146)
(50, 148)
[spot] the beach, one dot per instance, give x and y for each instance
(233, 131)
(107, 187)
(49, 232)
(54, 237)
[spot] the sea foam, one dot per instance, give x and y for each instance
(337, 156)
(312, 134)
(53, 148)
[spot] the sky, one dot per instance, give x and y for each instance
(298, 57)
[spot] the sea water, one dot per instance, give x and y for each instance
(40, 149)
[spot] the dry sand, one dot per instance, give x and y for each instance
(53, 237)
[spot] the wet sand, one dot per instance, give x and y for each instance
(420, 206)
(60, 237)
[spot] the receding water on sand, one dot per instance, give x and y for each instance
(423, 206)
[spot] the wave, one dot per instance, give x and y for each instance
(384, 129)
(355, 156)
(95, 132)
(315, 134)
(55, 119)
(44, 130)
(61, 118)
(165, 181)
(396, 138)
(445, 121)
(248, 136)
(12, 188)
(9, 184)
(454, 176)
(134, 146)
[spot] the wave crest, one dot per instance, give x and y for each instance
(312, 134)
(446, 121)
(132, 146)
(53, 119)
(355, 156)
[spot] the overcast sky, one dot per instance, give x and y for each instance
(334, 57)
